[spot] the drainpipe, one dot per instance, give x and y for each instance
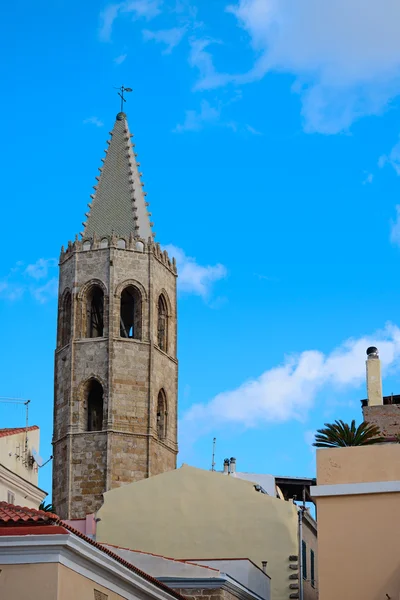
(301, 582)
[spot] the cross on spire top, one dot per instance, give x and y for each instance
(121, 91)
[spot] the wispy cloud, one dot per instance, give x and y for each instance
(120, 59)
(40, 269)
(195, 278)
(252, 130)
(392, 159)
(395, 228)
(93, 121)
(169, 37)
(369, 177)
(201, 59)
(196, 120)
(46, 292)
(23, 279)
(345, 60)
(139, 9)
(288, 391)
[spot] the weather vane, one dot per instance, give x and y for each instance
(121, 91)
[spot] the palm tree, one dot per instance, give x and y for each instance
(46, 507)
(339, 434)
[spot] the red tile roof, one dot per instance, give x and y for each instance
(10, 515)
(14, 430)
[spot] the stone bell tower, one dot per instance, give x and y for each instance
(116, 371)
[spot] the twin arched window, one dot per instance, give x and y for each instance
(65, 320)
(131, 313)
(94, 401)
(162, 324)
(162, 415)
(95, 312)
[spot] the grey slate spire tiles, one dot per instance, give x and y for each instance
(118, 205)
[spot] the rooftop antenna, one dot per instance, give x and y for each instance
(213, 455)
(121, 92)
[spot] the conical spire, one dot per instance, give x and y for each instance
(118, 204)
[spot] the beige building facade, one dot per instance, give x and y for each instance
(116, 369)
(358, 494)
(18, 467)
(42, 559)
(196, 515)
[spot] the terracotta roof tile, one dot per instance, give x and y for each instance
(13, 430)
(11, 514)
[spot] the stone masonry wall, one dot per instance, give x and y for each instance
(206, 594)
(131, 372)
(386, 417)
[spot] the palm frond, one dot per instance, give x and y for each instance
(340, 434)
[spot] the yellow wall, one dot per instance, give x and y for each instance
(359, 535)
(73, 586)
(191, 513)
(51, 581)
(29, 582)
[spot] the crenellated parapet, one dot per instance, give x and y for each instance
(131, 244)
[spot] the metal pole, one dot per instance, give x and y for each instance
(301, 586)
(213, 455)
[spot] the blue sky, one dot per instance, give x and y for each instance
(269, 140)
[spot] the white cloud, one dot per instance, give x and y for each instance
(11, 291)
(195, 120)
(46, 292)
(252, 130)
(169, 37)
(192, 277)
(395, 228)
(345, 57)
(369, 177)
(288, 391)
(93, 121)
(201, 59)
(107, 18)
(120, 59)
(309, 437)
(392, 159)
(40, 269)
(145, 9)
(18, 281)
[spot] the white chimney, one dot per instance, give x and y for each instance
(233, 465)
(374, 379)
(226, 466)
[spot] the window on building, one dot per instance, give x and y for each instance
(161, 415)
(312, 567)
(95, 312)
(304, 558)
(10, 498)
(100, 595)
(94, 406)
(66, 319)
(162, 325)
(131, 313)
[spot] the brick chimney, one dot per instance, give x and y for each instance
(374, 379)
